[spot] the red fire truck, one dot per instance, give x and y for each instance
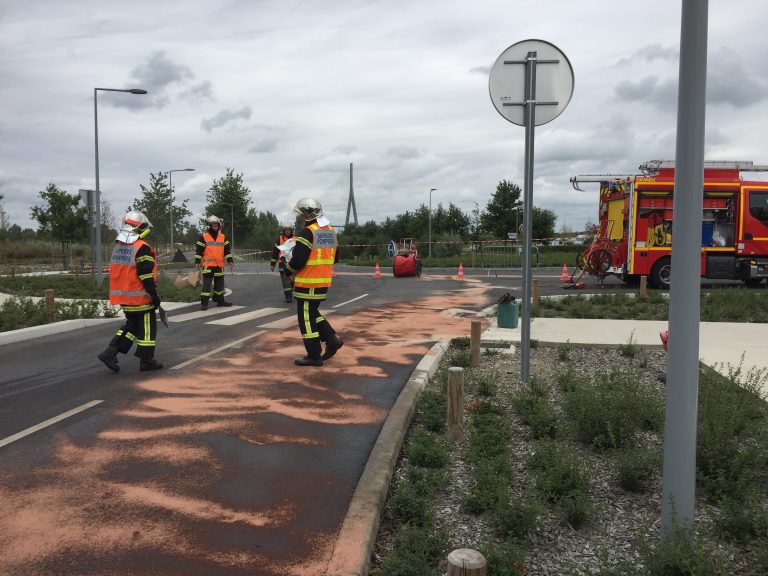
(634, 235)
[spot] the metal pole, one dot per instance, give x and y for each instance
(232, 215)
(679, 481)
(170, 208)
(99, 257)
(530, 124)
(430, 221)
(96, 258)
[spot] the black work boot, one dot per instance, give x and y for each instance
(109, 357)
(224, 304)
(332, 346)
(204, 306)
(150, 364)
(307, 361)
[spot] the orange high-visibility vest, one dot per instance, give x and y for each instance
(317, 272)
(213, 254)
(125, 288)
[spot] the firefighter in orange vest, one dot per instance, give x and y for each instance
(279, 258)
(133, 286)
(311, 264)
(212, 252)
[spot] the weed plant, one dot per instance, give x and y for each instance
(426, 449)
(432, 408)
(17, 313)
(724, 305)
(535, 410)
(636, 468)
(610, 410)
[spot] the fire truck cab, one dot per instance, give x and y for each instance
(635, 229)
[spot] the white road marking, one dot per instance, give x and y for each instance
(216, 351)
(350, 301)
(245, 316)
(289, 321)
(200, 313)
(49, 422)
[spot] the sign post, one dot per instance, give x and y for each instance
(514, 84)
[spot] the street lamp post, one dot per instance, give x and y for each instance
(98, 190)
(232, 219)
(430, 221)
(170, 207)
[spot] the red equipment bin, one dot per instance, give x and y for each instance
(406, 260)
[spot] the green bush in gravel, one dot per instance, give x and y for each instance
(432, 410)
(608, 411)
(635, 468)
(426, 449)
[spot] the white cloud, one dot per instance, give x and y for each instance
(289, 93)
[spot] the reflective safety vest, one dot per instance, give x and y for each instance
(125, 287)
(317, 272)
(213, 255)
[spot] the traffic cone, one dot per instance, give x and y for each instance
(377, 272)
(461, 272)
(564, 277)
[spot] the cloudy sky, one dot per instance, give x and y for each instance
(290, 92)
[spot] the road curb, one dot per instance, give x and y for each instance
(357, 537)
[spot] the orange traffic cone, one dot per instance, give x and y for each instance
(461, 272)
(377, 272)
(564, 277)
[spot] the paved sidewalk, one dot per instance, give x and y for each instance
(721, 344)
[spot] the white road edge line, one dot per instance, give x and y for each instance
(349, 301)
(50, 421)
(219, 349)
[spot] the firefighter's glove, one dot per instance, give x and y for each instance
(155, 300)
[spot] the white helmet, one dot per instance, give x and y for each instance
(215, 220)
(133, 226)
(309, 208)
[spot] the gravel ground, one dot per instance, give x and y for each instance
(620, 517)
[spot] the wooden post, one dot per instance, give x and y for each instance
(455, 403)
(474, 345)
(466, 562)
(535, 292)
(643, 286)
(50, 305)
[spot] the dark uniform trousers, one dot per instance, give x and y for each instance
(286, 280)
(314, 328)
(215, 275)
(141, 328)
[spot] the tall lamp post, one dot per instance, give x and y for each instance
(430, 221)
(170, 207)
(232, 219)
(97, 200)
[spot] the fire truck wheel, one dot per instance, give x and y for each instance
(661, 273)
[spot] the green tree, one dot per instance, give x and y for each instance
(229, 198)
(154, 204)
(503, 213)
(543, 223)
(61, 218)
(14, 233)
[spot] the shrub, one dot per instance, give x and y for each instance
(426, 449)
(635, 469)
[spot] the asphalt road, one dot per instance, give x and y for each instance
(231, 460)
